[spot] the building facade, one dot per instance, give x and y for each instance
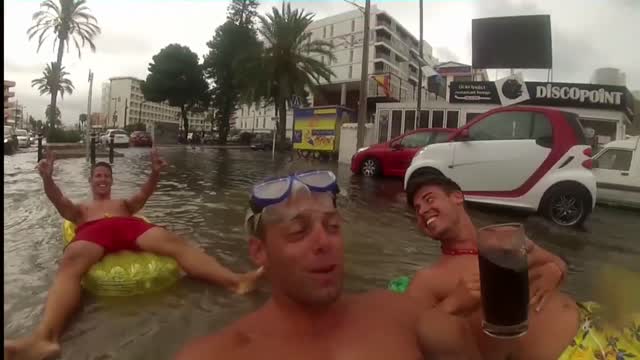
(393, 64)
(122, 103)
(8, 104)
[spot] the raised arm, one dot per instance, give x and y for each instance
(137, 201)
(66, 208)
(546, 273)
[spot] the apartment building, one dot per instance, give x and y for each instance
(8, 104)
(394, 59)
(122, 103)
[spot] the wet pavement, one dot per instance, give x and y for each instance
(203, 196)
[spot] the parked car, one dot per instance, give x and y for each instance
(262, 145)
(392, 158)
(10, 141)
(121, 138)
(24, 140)
(141, 138)
(530, 158)
(617, 171)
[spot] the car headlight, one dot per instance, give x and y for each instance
(362, 149)
(6, 141)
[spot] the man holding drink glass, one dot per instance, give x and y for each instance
(519, 313)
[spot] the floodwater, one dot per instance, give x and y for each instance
(203, 196)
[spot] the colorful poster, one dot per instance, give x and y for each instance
(315, 129)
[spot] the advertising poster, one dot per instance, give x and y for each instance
(314, 129)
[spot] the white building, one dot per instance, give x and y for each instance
(123, 103)
(393, 66)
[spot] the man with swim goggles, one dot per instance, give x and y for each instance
(295, 233)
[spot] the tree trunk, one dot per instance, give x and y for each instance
(54, 86)
(281, 136)
(185, 122)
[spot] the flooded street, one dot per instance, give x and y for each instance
(203, 196)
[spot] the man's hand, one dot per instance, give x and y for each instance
(466, 297)
(157, 163)
(543, 280)
(45, 166)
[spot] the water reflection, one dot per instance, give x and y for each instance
(203, 196)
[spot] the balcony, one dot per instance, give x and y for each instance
(382, 55)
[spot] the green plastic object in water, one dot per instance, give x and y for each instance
(399, 284)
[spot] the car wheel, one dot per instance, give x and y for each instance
(566, 204)
(370, 167)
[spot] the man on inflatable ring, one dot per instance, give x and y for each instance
(295, 234)
(562, 329)
(98, 235)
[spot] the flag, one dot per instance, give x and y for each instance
(384, 83)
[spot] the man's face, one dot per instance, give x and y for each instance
(101, 181)
(303, 253)
(437, 212)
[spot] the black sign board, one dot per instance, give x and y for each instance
(593, 96)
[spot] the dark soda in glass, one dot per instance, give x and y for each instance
(504, 280)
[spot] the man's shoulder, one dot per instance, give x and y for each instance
(221, 344)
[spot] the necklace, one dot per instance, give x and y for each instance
(455, 252)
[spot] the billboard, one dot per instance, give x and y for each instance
(315, 129)
(513, 42)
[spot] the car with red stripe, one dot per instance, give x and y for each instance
(532, 158)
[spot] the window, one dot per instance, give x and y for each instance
(424, 119)
(440, 137)
(353, 25)
(383, 126)
(614, 159)
(470, 116)
(438, 119)
(331, 33)
(512, 125)
(416, 140)
(452, 119)
(351, 55)
(396, 122)
(350, 72)
(264, 123)
(322, 59)
(324, 32)
(409, 120)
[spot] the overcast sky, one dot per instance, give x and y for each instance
(587, 34)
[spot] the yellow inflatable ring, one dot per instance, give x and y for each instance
(126, 273)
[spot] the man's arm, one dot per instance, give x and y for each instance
(137, 201)
(447, 337)
(66, 208)
(546, 273)
(423, 287)
(537, 256)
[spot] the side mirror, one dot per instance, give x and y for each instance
(397, 146)
(463, 135)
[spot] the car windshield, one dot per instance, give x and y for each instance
(21, 132)
(119, 132)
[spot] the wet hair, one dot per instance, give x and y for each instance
(101, 164)
(444, 183)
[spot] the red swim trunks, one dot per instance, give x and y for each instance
(113, 233)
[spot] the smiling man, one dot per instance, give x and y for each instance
(105, 226)
(295, 233)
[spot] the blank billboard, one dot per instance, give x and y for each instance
(514, 42)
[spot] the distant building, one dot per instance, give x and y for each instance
(122, 103)
(392, 68)
(609, 76)
(98, 120)
(8, 104)
(453, 71)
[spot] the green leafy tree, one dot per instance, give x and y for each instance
(32, 123)
(176, 76)
(56, 116)
(53, 80)
(66, 20)
(288, 66)
(227, 64)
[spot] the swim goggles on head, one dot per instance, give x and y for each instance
(271, 192)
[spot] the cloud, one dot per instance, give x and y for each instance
(444, 54)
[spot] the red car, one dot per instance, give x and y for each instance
(394, 157)
(141, 138)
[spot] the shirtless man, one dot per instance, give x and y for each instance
(92, 242)
(295, 234)
(440, 211)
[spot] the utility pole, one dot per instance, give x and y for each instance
(419, 99)
(87, 128)
(126, 106)
(364, 77)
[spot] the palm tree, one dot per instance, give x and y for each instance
(68, 20)
(53, 79)
(290, 63)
